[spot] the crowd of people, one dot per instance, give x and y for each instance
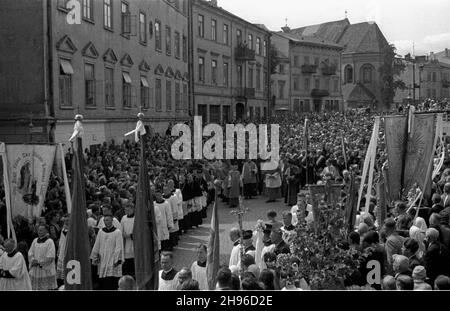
(412, 251)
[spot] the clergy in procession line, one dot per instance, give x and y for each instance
(127, 226)
(247, 242)
(179, 200)
(62, 252)
(198, 267)
(268, 246)
(41, 257)
(234, 185)
(107, 210)
(273, 184)
(167, 220)
(107, 254)
(13, 269)
(168, 279)
(292, 175)
(235, 256)
(249, 178)
(171, 199)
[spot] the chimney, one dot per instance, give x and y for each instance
(213, 3)
(286, 29)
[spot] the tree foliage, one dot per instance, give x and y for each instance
(274, 58)
(389, 70)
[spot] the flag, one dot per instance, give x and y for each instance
(344, 150)
(213, 247)
(77, 264)
(145, 238)
(4, 166)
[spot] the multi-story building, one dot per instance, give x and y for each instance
(230, 64)
(431, 76)
(314, 75)
(364, 47)
(114, 59)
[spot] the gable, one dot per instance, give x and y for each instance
(65, 44)
(186, 76)
(126, 60)
(144, 66)
(90, 51)
(169, 72)
(178, 75)
(110, 56)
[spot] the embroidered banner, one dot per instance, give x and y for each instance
(395, 140)
(29, 168)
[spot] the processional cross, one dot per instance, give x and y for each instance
(240, 212)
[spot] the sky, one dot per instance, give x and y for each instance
(425, 23)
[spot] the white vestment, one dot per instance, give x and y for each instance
(169, 284)
(108, 248)
(199, 274)
(235, 256)
(166, 220)
(101, 223)
(127, 225)
(17, 267)
(172, 200)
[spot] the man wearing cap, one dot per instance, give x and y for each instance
(419, 276)
(247, 242)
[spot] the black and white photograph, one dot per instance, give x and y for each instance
(249, 146)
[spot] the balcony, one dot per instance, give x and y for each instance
(243, 53)
(309, 68)
(319, 93)
(244, 92)
(445, 83)
(328, 70)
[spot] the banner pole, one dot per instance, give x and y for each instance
(9, 223)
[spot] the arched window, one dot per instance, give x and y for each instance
(367, 73)
(348, 74)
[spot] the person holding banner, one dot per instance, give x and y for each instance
(41, 256)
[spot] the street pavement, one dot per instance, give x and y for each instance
(185, 252)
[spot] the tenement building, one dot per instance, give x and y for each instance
(105, 59)
(364, 47)
(315, 78)
(230, 64)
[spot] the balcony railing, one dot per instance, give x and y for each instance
(309, 68)
(328, 70)
(319, 93)
(446, 83)
(244, 92)
(243, 53)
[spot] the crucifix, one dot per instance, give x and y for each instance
(239, 212)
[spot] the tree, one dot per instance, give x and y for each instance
(389, 70)
(274, 58)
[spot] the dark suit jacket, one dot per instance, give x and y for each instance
(434, 262)
(282, 248)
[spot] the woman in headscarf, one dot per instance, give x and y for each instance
(417, 232)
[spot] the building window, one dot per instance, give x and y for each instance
(201, 69)
(250, 77)
(306, 84)
(213, 30)
(367, 74)
(88, 10)
(145, 93)
(89, 85)
(265, 76)
(177, 45)
(168, 41)
(250, 42)
(348, 74)
(214, 71)
(316, 61)
(281, 89)
(226, 114)
(158, 95)
(201, 26)
(168, 95)
(109, 87)
(258, 79)
(265, 48)
(107, 14)
(177, 96)
(185, 97)
(126, 90)
(281, 70)
(296, 83)
(434, 77)
(317, 83)
(258, 46)
(142, 28)
(336, 85)
(239, 75)
(327, 84)
(158, 43)
(238, 36)
(225, 34)
(185, 49)
(65, 83)
(184, 3)
(126, 19)
(296, 64)
(306, 60)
